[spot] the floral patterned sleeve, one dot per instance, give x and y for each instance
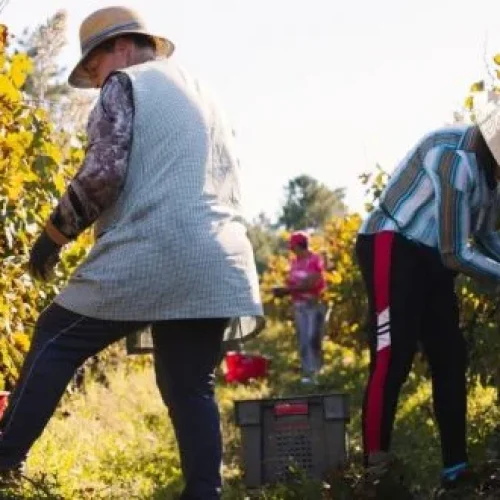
(99, 181)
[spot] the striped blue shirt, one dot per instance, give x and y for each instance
(443, 194)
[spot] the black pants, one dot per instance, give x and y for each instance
(186, 354)
(411, 300)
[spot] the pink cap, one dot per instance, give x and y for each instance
(298, 238)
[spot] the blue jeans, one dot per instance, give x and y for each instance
(309, 323)
(186, 353)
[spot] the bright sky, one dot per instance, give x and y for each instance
(322, 87)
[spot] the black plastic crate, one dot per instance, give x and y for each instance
(283, 434)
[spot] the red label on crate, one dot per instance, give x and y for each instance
(281, 409)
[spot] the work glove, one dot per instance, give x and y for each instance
(43, 257)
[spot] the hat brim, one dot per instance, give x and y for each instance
(79, 78)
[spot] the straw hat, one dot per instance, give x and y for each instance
(487, 110)
(108, 23)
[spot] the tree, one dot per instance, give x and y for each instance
(265, 241)
(44, 45)
(45, 87)
(489, 83)
(3, 4)
(310, 204)
(375, 183)
(33, 174)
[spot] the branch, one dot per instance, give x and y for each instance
(3, 4)
(485, 59)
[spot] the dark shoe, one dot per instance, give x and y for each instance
(385, 478)
(464, 486)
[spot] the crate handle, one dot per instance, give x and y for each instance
(284, 409)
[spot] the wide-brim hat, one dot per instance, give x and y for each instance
(108, 23)
(487, 112)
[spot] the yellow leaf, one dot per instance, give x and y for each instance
(469, 103)
(50, 149)
(496, 59)
(77, 155)
(20, 67)
(477, 86)
(14, 187)
(336, 278)
(7, 89)
(21, 341)
(40, 114)
(3, 37)
(60, 183)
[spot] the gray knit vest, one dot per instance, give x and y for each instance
(174, 245)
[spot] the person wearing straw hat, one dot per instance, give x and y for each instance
(410, 248)
(160, 185)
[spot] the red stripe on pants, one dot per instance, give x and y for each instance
(375, 392)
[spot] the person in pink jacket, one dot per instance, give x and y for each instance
(305, 285)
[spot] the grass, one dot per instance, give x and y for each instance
(115, 441)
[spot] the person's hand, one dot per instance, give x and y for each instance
(44, 256)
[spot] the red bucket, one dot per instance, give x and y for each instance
(241, 367)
